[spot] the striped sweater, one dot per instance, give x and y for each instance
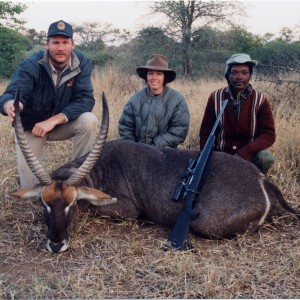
(252, 131)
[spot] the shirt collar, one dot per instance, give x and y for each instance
(247, 92)
(238, 102)
(68, 65)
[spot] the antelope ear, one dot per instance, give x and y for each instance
(25, 194)
(94, 196)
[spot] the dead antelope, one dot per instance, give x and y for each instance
(135, 180)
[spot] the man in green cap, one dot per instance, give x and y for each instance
(247, 126)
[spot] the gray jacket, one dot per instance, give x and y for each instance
(161, 120)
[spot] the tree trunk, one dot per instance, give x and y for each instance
(188, 12)
(187, 68)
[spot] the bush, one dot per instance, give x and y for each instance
(13, 48)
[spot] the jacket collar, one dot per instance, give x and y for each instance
(72, 71)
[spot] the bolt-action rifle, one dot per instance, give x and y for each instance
(189, 189)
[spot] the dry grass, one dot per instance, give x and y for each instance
(123, 258)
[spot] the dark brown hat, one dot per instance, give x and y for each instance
(157, 62)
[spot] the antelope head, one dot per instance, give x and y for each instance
(59, 197)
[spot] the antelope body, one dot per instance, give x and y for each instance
(135, 180)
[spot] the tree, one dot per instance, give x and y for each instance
(88, 32)
(240, 40)
(149, 41)
(279, 53)
(93, 38)
(90, 38)
(12, 50)
(286, 34)
(8, 12)
(13, 44)
(186, 17)
(37, 38)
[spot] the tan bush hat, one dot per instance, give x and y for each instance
(238, 59)
(157, 62)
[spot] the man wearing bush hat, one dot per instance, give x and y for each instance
(247, 126)
(156, 115)
(56, 95)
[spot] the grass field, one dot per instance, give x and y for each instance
(123, 258)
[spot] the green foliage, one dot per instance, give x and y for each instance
(100, 58)
(238, 39)
(92, 46)
(8, 12)
(93, 39)
(286, 34)
(97, 51)
(278, 60)
(209, 50)
(149, 41)
(279, 53)
(37, 38)
(13, 44)
(12, 50)
(186, 18)
(192, 45)
(212, 47)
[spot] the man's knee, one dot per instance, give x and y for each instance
(85, 133)
(87, 122)
(264, 159)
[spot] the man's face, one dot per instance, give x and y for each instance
(239, 77)
(60, 49)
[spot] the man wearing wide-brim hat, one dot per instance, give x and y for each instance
(247, 126)
(156, 115)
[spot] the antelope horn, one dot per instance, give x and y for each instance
(95, 153)
(30, 158)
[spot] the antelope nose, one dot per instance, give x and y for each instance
(55, 247)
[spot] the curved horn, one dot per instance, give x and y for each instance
(30, 158)
(93, 156)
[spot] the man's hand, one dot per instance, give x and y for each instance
(9, 109)
(42, 128)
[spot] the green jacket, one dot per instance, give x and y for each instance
(161, 120)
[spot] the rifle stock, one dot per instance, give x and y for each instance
(192, 182)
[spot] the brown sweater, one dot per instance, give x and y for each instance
(253, 131)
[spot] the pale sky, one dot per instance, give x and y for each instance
(263, 15)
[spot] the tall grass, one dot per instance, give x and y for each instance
(284, 100)
(123, 258)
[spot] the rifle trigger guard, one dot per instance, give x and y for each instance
(192, 191)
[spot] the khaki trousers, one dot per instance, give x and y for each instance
(82, 130)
